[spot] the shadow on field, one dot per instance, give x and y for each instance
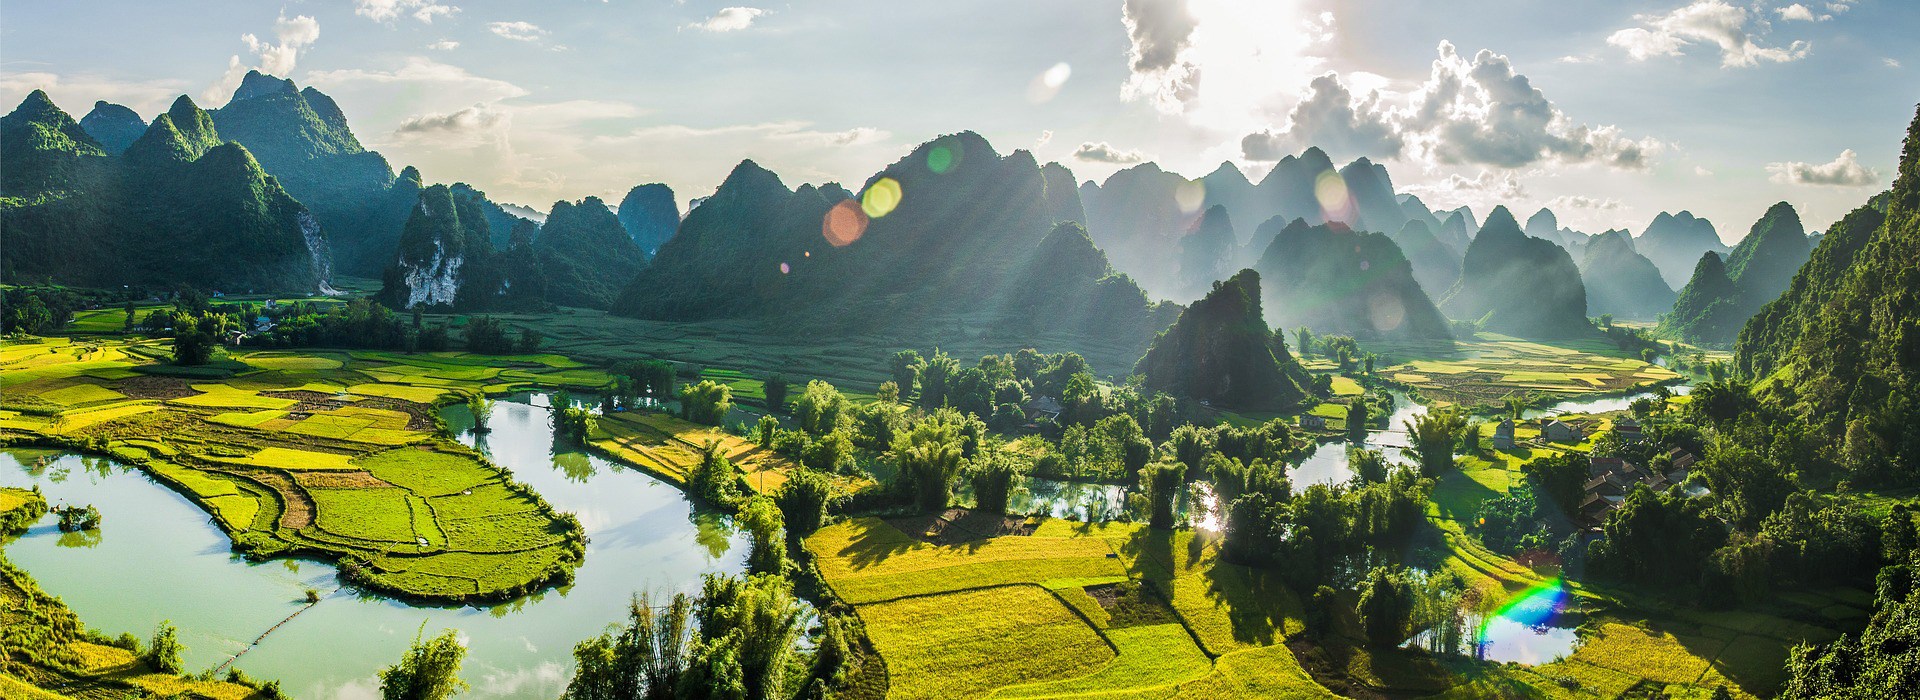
(873, 543)
(1254, 604)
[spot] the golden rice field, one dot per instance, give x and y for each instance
(1486, 370)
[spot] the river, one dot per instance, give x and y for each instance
(158, 556)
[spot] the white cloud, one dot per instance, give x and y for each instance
(278, 57)
(389, 10)
(1045, 137)
(1481, 191)
(729, 19)
(1702, 171)
(1890, 62)
(517, 31)
(1333, 119)
(1483, 112)
(1799, 13)
(1103, 152)
(1574, 60)
(444, 45)
(1705, 22)
(479, 122)
(1844, 171)
(1578, 201)
(79, 91)
(420, 74)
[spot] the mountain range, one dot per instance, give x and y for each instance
(1517, 284)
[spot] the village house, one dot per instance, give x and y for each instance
(1310, 421)
(1560, 431)
(1609, 481)
(1043, 407)
(1628, 430)
(1503, 435)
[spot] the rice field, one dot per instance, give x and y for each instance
(1488, 369)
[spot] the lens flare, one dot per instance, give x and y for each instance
(944, 155)
(1331, 191)
(1048, 82)
(1189, 196)
(880, 198)
(1534, 607)
(785, 268)
(843, 224)
(1385, 312)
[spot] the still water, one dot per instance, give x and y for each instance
(158, 556)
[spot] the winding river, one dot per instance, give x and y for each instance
(159, 556)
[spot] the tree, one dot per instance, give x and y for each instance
(746, 641)
(530, 340)
(889, 392)
(760, 517)
(713, 478)
(776, 392)
(1191, 444)
(1882, 662)
(706, 402)
(765, 429)
(1432, 438)
(905, 368)
(803, 502)
(936, 377)
(482, 409)
(994, 475)
(163, 653)
(643, 661)
(1357, 421)
(930, 455)
(192, 341)
(833, 452)
(1386, 606)
(1369, 466)
(128, 326)
(1305, 343)
(429, 670)
(1160, 481)
(819, 408)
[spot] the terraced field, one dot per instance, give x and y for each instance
(328, 453)
(670, 448)
(1486, 370)
(1012, 617)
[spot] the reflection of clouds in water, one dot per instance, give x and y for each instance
(361, 689)
(546, 680)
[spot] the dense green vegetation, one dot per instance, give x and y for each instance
(1221, 350)
(1723, 294)
(1336, 280)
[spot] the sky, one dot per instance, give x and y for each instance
(1606, 111)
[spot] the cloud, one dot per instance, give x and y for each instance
(1221, 65)
(1704, 22)
(518, 31)
(1480, 191)
(1483, 112)
(1102, 152)
(1844, 171)
(389, 10)
(1574, 60)
(479, 119)
(729, 19)
(1890, 62)
(1584, 202)
(278, 57)
(419, 73)
(1331, 118)
(82, 89)
(444, 45)
(1046, 135)
(1702, 171)
(1799, 13)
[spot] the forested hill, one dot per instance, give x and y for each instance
(1519, 285)
(1338, 281)
(1621, 281)
(952, 230)
(180, 206)
(1842, 345)
(302, 138)
(1721, 296)
(1222, 351)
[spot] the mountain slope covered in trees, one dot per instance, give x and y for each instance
(1339, 281)
(1221, 351)
(1518, 284)
(1723, 294)
(1842, 346)
(180, 206)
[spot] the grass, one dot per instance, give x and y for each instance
(294, 460)
(1150, 658)
(379, 515)
(428, 472)
(969, 643)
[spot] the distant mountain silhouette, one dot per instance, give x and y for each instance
(1338, 281)
(1518, 284)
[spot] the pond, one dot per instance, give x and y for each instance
(1327, 462)
(1099, 502)
(158, 556)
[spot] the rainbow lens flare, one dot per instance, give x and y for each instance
(1534, 607)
